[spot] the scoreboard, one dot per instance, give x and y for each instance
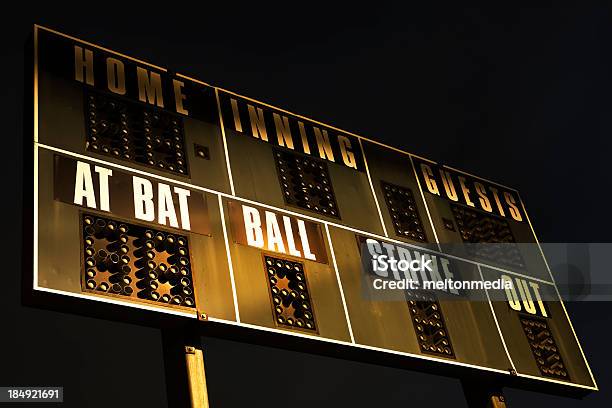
(157, 193)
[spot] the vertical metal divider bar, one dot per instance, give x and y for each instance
(35, 84)
(496, 321)
(227, 158)
(35, 148)
(433, 227)
(365, 162)
(552, 278)
(35, 252)
(333, 256)
(229, 258)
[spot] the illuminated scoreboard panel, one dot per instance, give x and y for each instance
(153, 190)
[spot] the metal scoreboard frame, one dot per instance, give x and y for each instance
(223, 176)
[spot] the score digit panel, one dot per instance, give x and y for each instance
(156, 191)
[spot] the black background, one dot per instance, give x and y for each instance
(520, 96)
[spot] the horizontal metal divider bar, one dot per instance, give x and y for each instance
(293, 213)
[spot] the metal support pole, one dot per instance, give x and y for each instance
(194, 360)
(479, 394)
(184, 369)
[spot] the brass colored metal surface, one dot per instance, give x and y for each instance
(489, 201)
(132, 144)
(255, 178)
(60, 259)
(395, 169)
(497, 401)
(389, 324)
(196, 375)
(62, 112)
(519, 345)
(253, 292)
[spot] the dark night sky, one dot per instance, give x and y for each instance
(520, 96)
